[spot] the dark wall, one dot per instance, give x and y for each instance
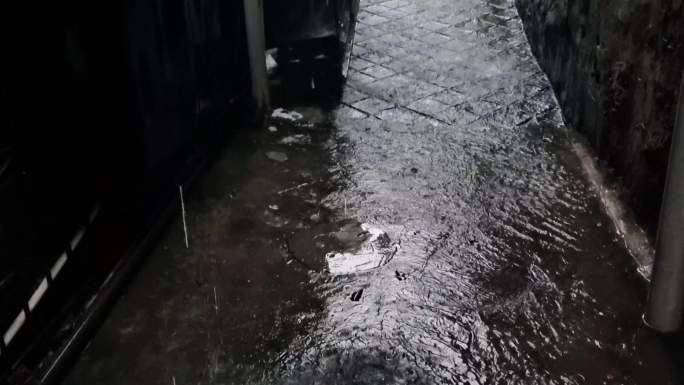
(616, 66)
(106, 103)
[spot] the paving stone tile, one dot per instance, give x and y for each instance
(374, 44)
(434, 26)
(396, 3)
(396, 52)
(476, 89)
(378, 72)
(394, 14)
(345, 114)
(406, 90)
(366, 32)
(509, 116)
(412, 44)
(434, 38)
(458, 34)
(457, 115)
(360, 64)
(454, 17)
(456, 45)
(377, 9)
(372, 106)
(393, 26)
(371, 19)
(392, 39)
(428, 106)
(356, 77)
(400, 115)
(432, 75)
(400, 65)
(450, 98)
(351, 95)
(479, 107)
(503, 97)
(377, 57)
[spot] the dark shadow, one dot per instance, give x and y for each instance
(309, 72)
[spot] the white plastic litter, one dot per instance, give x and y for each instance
(281, 113)
(295, 139)
(373, 253)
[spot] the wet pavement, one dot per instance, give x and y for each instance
(434, 227)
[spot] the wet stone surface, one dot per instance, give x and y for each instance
(433, 228)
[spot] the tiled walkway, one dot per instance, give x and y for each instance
(455, 62)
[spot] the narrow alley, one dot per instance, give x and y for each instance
(433, 227)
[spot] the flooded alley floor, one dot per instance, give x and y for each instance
(434, 227)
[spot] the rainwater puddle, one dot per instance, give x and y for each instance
(376, 250)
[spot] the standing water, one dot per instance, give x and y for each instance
(434, 227)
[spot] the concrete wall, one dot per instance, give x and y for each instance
(615, 66)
